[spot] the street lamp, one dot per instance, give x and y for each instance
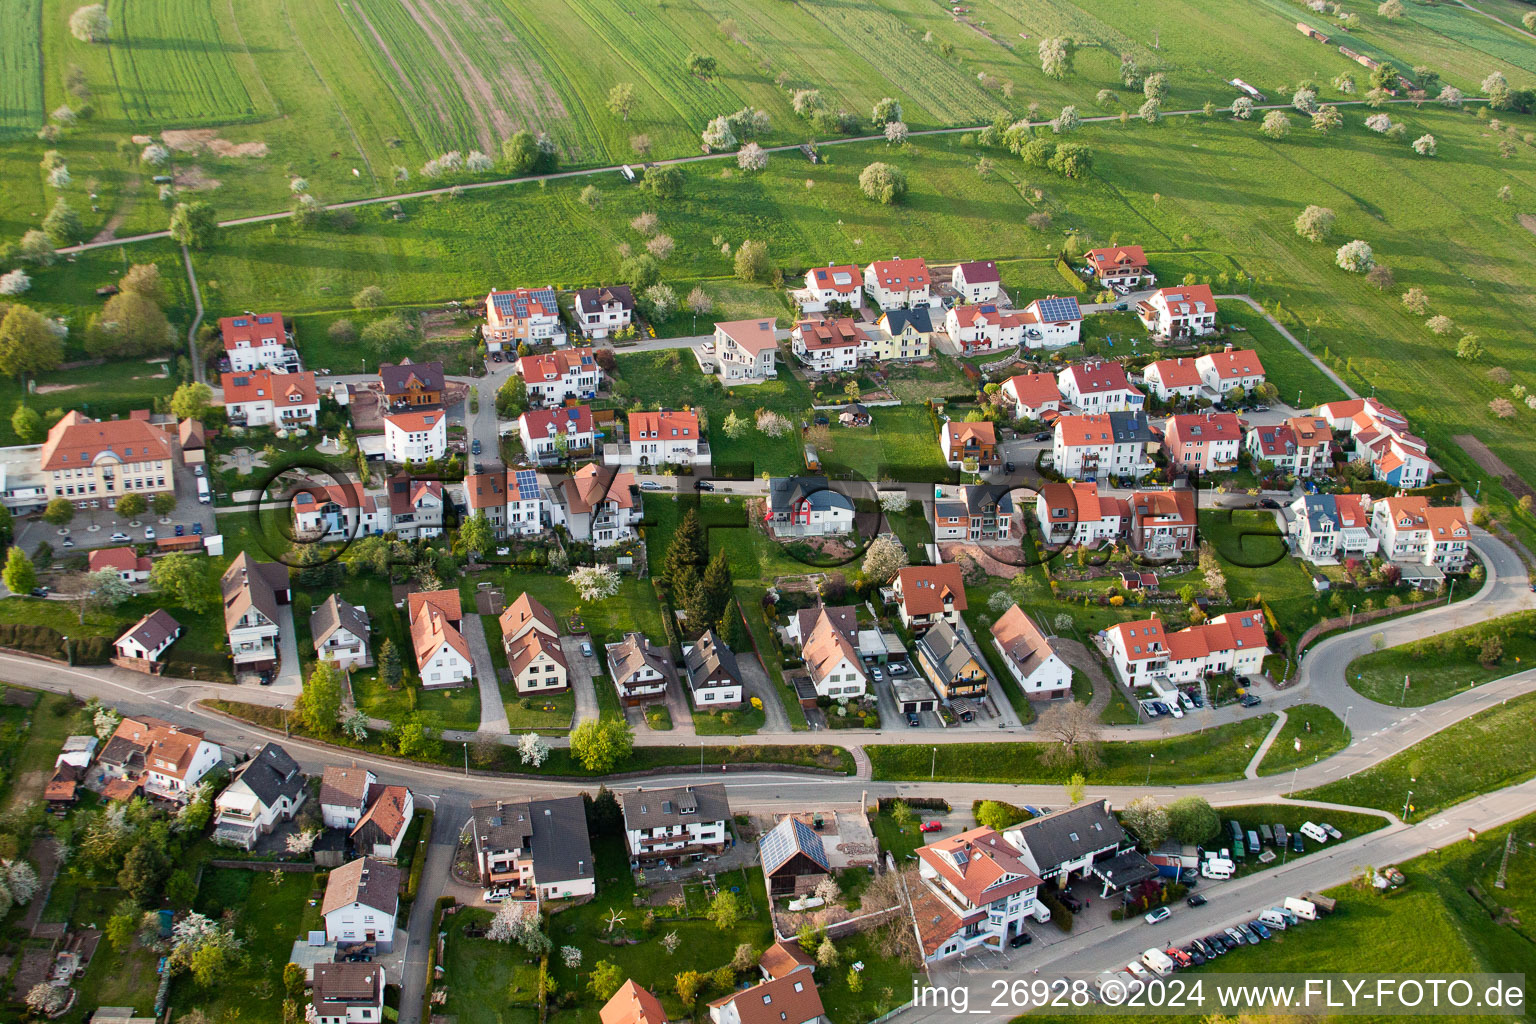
(1294, 772)
(1150, 759)
(466, 759)
(933, 764)
(1406, 802)
(1452, 592)
(1351, 616)
(1346, 717)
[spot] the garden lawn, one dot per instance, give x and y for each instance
(899, 842)
(271, 916)
(548, 712)
(1258, 565)
(1438, 667)
(1439, 771)
(744, 722)
(489, 983)
(28, 756)
(114, 978)
(899, 445)
(884, 984)
(1317, 730)
(1215, 755)
(633, 608)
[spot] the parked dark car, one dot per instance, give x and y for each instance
(39, 591)
(180, 530)
(913, 720)
(1007, 467)
(474, 447)
(1070, 902)
(1268, 503)
(1044, 435)
(1196, 900)
(197, 529)
(703, 485)
(1259, 927)
(1021, 939)
(1297, 846)
(1251, 700)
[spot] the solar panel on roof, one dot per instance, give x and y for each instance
(1058, 308)
(263, 319)
(527, 481)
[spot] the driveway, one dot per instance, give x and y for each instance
(289, 678)
(493, 713)
(581, 671)
(757, 683)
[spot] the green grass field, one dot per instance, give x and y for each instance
(1438, 667)
(1211, 756)
(1438, 770)
(1311, 733)
(21, 71)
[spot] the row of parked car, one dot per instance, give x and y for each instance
(1162, 962)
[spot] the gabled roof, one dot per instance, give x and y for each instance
(345, 787)
(120, 559)
(1174, 373)
(1105, 428)
(334, 613)
(667, 424)
(569, 419)
(146, 742)
(787, 838)
(755, 336)
(980, 865)
(1186, 300)
(311, 495)
(1067, 835)
(592, 484)
(339, 985)
(675, 805)
(1203, 427)
(979, 272)
(76, 441)
(831, 334)
(386, 811)
(1118, 257)
(535, 369)
(634, 653)
(523, 304)
(901, 275)
(397, 379)
(1233, 364)
(552, 832)
(526, 613)
(827, 646)
(947, 650)
(406, 493)
(708, 658)
(1033, 389)
(924, 588)
(842, 278)
(417, 421)
(785, 493)
(1054, 309)
(251, 330)
(632, 1004)
(485, 490)
(1172, 506)
(522, 650)
(1142, 639)
(247, 584)
(271, 775)
(784, 957)
(894, 321)
(434, 616)
(281, 389)
(370, 882)
(792, 999)
(1021, 641)
(152, 630)
(975, 432)
(1097, 377)
(607, 295)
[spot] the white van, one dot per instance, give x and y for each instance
(204, 493)
(1314, 833)
(1137, 971)
(1157, 961)
(1304, 909)
(1272, 918)
(1217, 868)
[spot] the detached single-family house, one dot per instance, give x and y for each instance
(362, 899)
(540, 847)
(746, 351)
(262, 398)
(1031, 660)
(408, 383)
(978, 281)
(442, 654)
(713, 676)
(553, 378)
(666, 437)
(831, 654)
(602, 311)
(1162, 522)
(148, 638)
(253, 591)
(1333, 526)
(676, 824)
(977, 891)
(523, 316)
(901, 334)
(1203, 442)
(128, 564)
(415, 435)
(641, 671)
(258, 342)
(512, 500)
(1170, 379)
(1230, 368)
(1099, 386)
(984, 328)
(973, 512)
(969, 445)
(267, 789)
(531, 637)
(1052, 322)
(346, 993)
(632, 1004)
(807, 506)
(1120, 268)
(1105, 444)
(1188, 311)
(598, 505)
(344, 794)
(928, 594)
(828, 346)
(953, 665)
(337, 512)
(152, 756)
(550, 435)
(894, 284)
(833, 283)
(415, 506)
(1032, 395)
(790, 1000)
(341, 631)
(381, 829)
(1076, 513)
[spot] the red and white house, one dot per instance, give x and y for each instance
(443, 655)
(1162, 522)
(521, 316)
(416, 435)
(1052, 322)
(128, 564)
(827, 346)
(1076, 513)
(984, 328)
(602, 311)
(977, 892)
(1332, 526)
(929, 594)
(552, 378)
(1169, 379)
(1205, 442)
(829, 284)
(1144, 654)
(967, 443)
(551, 434)
(660, 437)
(1184, 312)
(1104, 444)
(337, 512)
(1302, 445)
(258, 341)
(893, 284)
(978, 281)
(261, 398)
(1380, 435)
(1122, 268)
(1230, 368)
(1032, 395)
(1099, 386)
(747, 351)
(1412, 530)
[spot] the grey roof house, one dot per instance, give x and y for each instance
(541, 846)
(675, 824)
(267, 789)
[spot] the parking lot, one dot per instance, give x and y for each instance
(95, 528)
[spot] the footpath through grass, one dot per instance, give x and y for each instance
(1215, 755)
(1438, 667)
(1311, 733)
(1488, 751)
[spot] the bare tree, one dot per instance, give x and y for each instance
(1073, 735)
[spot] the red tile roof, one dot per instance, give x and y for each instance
(632, 1004)
(901, 275)
(1188, 299)
(755, 336)
(1119, 257)
(251, 330)
(1174, 373)
(555, 365)
(1099, 376)
(1235, 364)
(416, 420)
(282, 389)
(121, 559)
(924, 587)
(978, 865)
(826, 279)
(1033, 389)
(828, 334)
(76, 441)
(664, 425)
(980, 272)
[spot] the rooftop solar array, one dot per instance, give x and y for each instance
(789, 837)
(515, 304)
(1058, 308)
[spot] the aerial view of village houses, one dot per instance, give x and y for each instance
(767, 511)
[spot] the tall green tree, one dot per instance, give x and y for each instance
(319, 704)
(131, 505)
(714, 594)
(601, 745)
(476, 533)
(62, 225)
(687, 552)
(60, 512)
(191, 401)
(182, 579)
(28, 424)
(193, 224)
(389, 664)
(19, 574)
(27, 343)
